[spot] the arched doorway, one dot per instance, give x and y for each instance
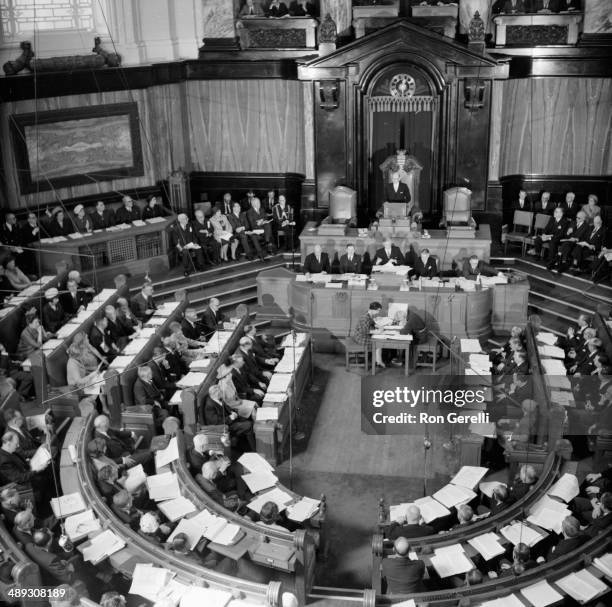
(402, 114)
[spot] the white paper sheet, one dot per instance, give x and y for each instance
(453, 495)
(604, 564)
(541, 594)
(259, 481)
(451, 560)
(470, 345)
(553, 366)
(102, 546)
(517, 533)
(487, 545)
(566, 488)
(191, 380)
(550, 339)
(135, 347)
(65, 505)
(197, 597)
(278, 496)
(469, 476)
(192, 528)
(487, 487)
(136, 477)
(280, 382)
(163, 486)
(166, 456)
(79, 526)
(582, 586)
(431, 509)
(507, 601)
(551, 352)
(303, 510)
(40, 460)
(176, 508)
(148, 581)
(265, 414)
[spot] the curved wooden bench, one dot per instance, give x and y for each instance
(302, 541)
(143, 551)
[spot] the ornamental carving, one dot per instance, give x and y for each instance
(328, 32)
(477, 29)
(273, 38)
(533, 35)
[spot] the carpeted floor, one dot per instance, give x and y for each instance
(355, 470)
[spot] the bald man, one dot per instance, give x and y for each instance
(184, 240)
(401, 575)
(409, 526)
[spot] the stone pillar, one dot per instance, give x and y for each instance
(341, 12)
(467, 8)
(219, 25)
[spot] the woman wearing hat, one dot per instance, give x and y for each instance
(81, 222)
(60, 225)
(18, 280)
(53, 315)
(229, 394)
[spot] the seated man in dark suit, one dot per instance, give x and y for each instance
(207, 479)
(389, 254)
(424, 265)
(409, 526)
(474, 267)
(557, 228)
(401, 575)
(100, 340)
(13, 467)
(254, 373)
(120, 444)
(215, 413)
(124, 508)
(116, 333)
(191, 326)
(245, 386)
(125, 317)
(128, 212)
(601, 515)
(572, 538)
(15, 422)
(580, 230)
(350, 262)
(162, 376)
(73, 301)
(142, 304)
(521, 561)
(183, 239)
(591, 245)
(55, 570)
(316, 262)
(260, 353)
(396, 191)
(257, 219)
(544, 205)
(242, 231)
(23, 527)
(465, 516)
(102, 217)
(203, 451)
(147, 393)
(212, 317)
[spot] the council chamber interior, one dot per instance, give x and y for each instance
(305, 303)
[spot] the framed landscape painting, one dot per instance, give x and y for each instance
(74, 146)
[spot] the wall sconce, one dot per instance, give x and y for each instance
(473, 94)
(328, 93)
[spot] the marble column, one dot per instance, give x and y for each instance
(218, 20)
(467, 8)
(341, 12)
(597, 17)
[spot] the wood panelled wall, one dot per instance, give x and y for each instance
(556, 126)
(161, 118)
(252, 126)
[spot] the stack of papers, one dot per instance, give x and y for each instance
(149, 581)
(167, 308)
(274, 398)
(398, 512)
(265, 414)
(146, 332)
(488, 487)
(454, 495)
(135, 347)
(258, 481)
(565, 398)
(480, 363)
(136, 477)
(166, 456)
(553, 366)
(103, 295)
(66, 505)
(192, 528)
(431, 509)
(451, 560)
(200, 365)
(469, 476)
(280, 383)
(507, 601)
(79, 526)
(488, 545)
(566, 488)
(551, 352)
(155, 321)
(254, 462)
(121, 362)
(518, 533)
(541, 594)
(191, 380)
(67, 330)
(604, 564)
(219, 530)
(176, 398)
(560, 382)
(582, 586)
(278, 496)
(196, 597)
(163, 486)
(550, 339)
(303, 510)
(51, 344)
(102, 546)
(471, 346)
(176, 508)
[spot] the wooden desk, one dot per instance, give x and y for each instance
(445, 249)
(391, 344)
(140, 550)
(135, 250)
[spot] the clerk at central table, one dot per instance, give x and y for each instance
(388, 253)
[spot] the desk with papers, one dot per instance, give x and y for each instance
(291, 377)
(127, 551)
(291, 552)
